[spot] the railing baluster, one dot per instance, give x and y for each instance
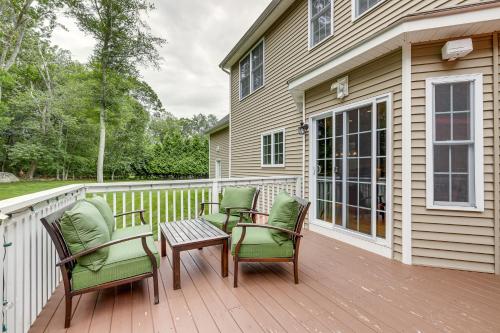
(175, 207)
(150, 208)
(196, 202)
(18, 282)
(209, 200)
(182, 204)
(124, 209)
(166, 206)
(27, 272)
(142, 200)
(158, 213)
(133, 207)
(114, 206)
(189, 203)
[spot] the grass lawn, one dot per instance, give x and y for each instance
(151, 207)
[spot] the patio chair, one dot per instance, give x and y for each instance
(235, 199)
(276, 241)
(93, 255)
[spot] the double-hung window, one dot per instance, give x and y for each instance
(252, 71)
(320, 20)
(362, 6)
(454, 109)
(273, 149)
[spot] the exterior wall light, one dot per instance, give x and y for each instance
(303, 128)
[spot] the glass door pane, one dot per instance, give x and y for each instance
(324, 169)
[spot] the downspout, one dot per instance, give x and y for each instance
(304, 146)
(228, 72)
(496, 151)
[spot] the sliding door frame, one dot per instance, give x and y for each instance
(368, 242)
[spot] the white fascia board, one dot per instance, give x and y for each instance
(393, 38)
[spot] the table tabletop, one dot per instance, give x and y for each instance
(191, 231)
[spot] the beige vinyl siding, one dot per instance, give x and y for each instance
(376, 78)
(220, 139)
(452, 239)
(287, 55)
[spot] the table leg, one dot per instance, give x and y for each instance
(176, 269)
(224, 258)
(163, 245)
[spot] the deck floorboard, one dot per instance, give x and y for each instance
(342, 289)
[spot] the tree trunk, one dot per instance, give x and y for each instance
(102, 128)
(113, 175)
(31, 172)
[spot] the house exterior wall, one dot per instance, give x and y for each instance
(379, 77)
(444, 238)
(219, 139)
(287, 55)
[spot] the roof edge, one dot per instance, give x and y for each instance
(221, 124)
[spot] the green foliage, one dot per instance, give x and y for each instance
(50, 105)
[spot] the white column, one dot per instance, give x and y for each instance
(406, 154)
(215, 195)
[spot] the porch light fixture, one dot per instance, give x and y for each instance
(303, 128)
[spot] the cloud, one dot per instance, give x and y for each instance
(199, 34)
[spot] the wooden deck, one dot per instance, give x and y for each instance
(342, 289)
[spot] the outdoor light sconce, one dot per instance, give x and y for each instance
(303, 128)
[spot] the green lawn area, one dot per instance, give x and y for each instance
(151, 214)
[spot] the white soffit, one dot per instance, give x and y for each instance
(417, 29)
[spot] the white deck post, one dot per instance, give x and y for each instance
(2, 249)
(298, 187)
(215, 195)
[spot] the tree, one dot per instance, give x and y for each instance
(19, 18)
(124, 41)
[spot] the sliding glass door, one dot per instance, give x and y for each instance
(350, 160)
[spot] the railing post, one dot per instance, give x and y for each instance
(215, 195)
(298, 187)
(2, 251)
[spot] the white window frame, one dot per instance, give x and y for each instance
(249, 53)
(272, 133)
(309, 25)
(477, 135)
(354, 6)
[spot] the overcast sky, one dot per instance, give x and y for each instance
(199, 34)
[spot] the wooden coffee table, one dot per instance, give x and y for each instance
(189, 235)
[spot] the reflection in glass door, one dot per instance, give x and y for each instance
(351, 169)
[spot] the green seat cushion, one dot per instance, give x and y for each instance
(82, 228)
(284, 213)
(218, 220)
(106, 212)
(259, 243)
(125, 260)
(237, 197)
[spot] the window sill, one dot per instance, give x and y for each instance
(455, 208)
(263, 166)
(327, 38)
(253, 92)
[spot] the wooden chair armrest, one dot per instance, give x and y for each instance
(110, 243)
(140, 211)
(267, 226)
(253, 211)
(203, 204)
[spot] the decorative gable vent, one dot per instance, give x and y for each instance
(342, 87)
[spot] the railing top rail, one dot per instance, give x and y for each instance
(29, 200)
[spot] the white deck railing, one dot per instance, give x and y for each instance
(29, 270)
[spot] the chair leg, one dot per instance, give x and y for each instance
(235, 273)
(155, 286)
(69, 308)
(296, 271)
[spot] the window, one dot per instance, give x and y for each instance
(454, 142)
(320, 20)
(273, 149)
(362, 6)
(252, 71)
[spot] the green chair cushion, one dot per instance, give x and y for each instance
(83, 227)
(284, 213)
(218, 220)
(105, 211)
(125, 260)
(259, 243)
(237, 197)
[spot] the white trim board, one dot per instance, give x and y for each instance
(475, 21)
(271, 133)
